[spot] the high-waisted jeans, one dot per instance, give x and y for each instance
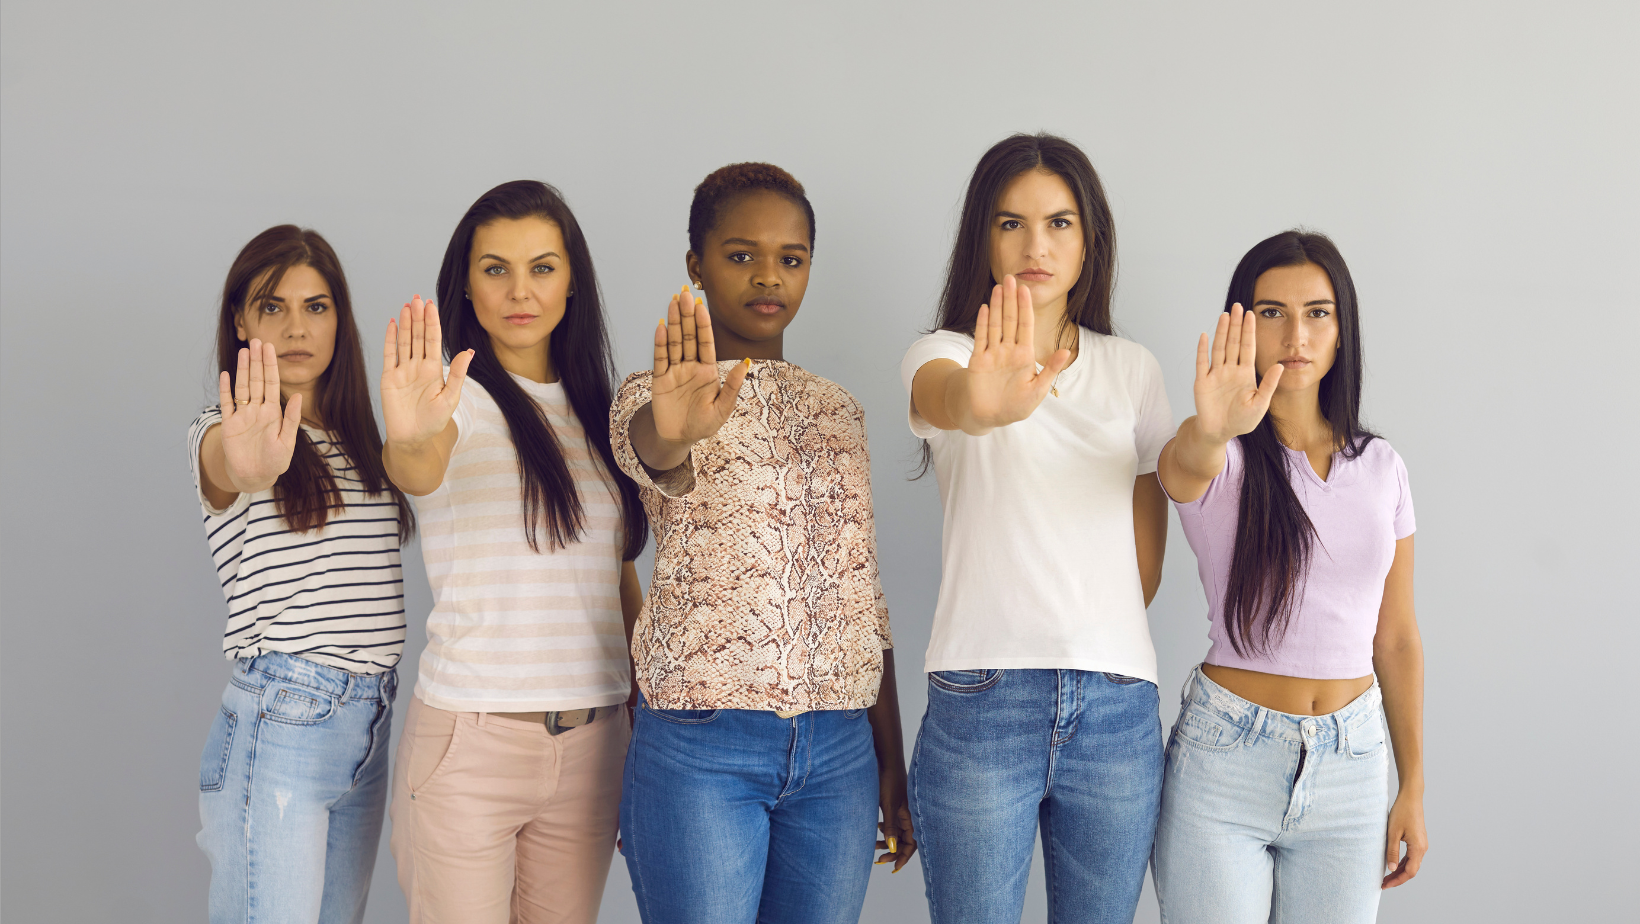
(1270, 817)
(292, 787)
(1001, 752)
(730, 816)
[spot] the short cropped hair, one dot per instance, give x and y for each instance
(726, 184)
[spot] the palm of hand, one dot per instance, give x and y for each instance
(685, 402)
(1003, 384)
(252, 443)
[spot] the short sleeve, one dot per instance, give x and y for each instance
(196, 436)
(941, 344)
(1223, 486)
(629, 400)
(1153, 420)
(1405, 523)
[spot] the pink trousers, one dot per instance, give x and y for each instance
(496, 821)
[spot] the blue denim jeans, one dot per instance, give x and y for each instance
(1270, 817)
(1002, 751)
(292, 786)
(730, 816)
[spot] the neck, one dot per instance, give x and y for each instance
(534, 364)
(311, 415)
(1299, 421)
(1051, 331)
(731, 345)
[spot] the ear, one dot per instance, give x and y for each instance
(239, 326)
(691, 265)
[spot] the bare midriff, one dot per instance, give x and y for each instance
(1292, 695)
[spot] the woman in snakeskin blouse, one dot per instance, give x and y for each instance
(768, 734)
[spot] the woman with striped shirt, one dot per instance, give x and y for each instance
(508, 779)
(304, 529)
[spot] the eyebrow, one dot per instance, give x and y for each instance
(743, 242)
(1062, 213)
(310, 298)
(491, 256)
(1271, 301)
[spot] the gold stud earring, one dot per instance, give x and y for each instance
(698, 285)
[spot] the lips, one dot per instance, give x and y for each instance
(519, 319)
(296, 356)
(1034, 274)
(1295, 362)
(766, 305)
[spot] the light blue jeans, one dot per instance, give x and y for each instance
(1078, 753)
(292, 786)
(730, 816)
(1270, 817)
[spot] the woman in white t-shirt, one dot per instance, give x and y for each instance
(1043, 429)
(508, 779)
(304, 531)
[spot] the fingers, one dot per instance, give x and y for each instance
(390, 346)
(1010, 310)
(1249, 338)
(703, 334)
(418, 329)
(993, 333)
(270, 372)
(661, 361)
(224, 389)
(730, 392)
(1203, 357)
(1232, 342)
(982, 329)
(254, 373)
(458, 375)
(1392, 850)
(908, 839)
(402, 335)
(688, 308)
(1221, 334)
(434, 343)
(1026, 332)
(674, 328)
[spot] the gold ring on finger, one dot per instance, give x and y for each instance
(242, 403)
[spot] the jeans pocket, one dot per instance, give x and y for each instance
(1122, 679)
(1205, 730)
(1365, 738)
(213, 764)
(853, 713)
(295, 705)
(682, 716)
(432, 746)
(973, 681)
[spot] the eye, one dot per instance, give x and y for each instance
(1011, 224)
(737, 255)
(792, 261)
(1320, 313)
(318, 307)
(1061, 223)
(270, 308)
(541, 268)
(1270, 313)
(494, 269)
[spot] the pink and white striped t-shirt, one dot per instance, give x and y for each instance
(513, 629)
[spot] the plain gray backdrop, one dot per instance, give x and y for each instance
(1475, 163)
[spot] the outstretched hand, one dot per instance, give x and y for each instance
(687, 401)
(1003, 384)
(258, 437)
(1230, 400)
(417, 401)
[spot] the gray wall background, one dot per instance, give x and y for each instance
(1475, 162)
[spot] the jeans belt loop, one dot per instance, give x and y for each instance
(1338, 720)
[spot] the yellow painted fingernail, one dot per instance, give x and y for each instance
(893, 846)
(748, 362)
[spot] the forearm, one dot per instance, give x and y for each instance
(1400, 669)
(884, 715)
(416, 468)
(658, 454)
(1197, 454)
(1149, 532)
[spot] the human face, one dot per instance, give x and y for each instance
(754, 270)
(299, 319)
(518, 280)
(1037, 237)
(1297, 324)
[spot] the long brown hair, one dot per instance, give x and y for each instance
(580, 353)
(307, 492)
(1274, 535)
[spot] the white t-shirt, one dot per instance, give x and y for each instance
(1039, 568)
(334, 596)
(514, 629)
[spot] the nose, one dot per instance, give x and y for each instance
(766, 274)
(296, 328)
(1036, 244)
(520, 287)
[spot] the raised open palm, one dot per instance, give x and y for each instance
(1004, 384)
(1230, 400)
(257, 437)
(417, 401)
(686, 399)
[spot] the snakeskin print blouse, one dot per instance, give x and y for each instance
(765, 593)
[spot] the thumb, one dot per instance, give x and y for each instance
(1056, 363)
(293, 419)
(1392, 850)
(458, 374)
(1267, 388)
(730, 393)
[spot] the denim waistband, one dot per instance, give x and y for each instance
(1311, 730)
(331, 680)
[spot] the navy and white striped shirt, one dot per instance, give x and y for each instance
(334, 596)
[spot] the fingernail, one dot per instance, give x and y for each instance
(749, 365)
(893, 845)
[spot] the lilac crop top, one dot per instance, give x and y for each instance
(1359, 512)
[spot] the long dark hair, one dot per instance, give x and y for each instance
(1274, 536)
(307, 492)
(579, 348)
(968, 279)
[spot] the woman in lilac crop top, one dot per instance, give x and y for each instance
(1274, 802)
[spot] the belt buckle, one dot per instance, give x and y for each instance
(555, 729)
(791, 714)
